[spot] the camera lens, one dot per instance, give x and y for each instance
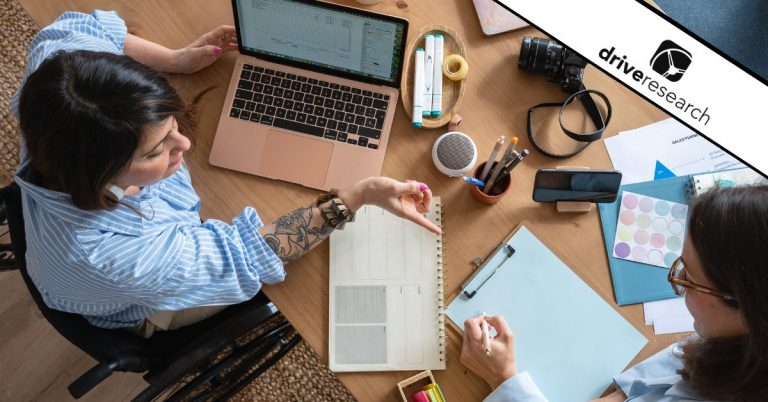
(541, 56)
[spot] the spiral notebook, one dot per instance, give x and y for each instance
(386, 294)
(726, 178)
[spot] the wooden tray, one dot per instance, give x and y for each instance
(453, 91)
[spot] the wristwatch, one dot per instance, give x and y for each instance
(337, 214)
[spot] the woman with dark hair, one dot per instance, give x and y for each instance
(723, 274)
(112, 221)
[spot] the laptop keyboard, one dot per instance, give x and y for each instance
(310, 106)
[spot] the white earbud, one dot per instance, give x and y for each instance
(116, 191)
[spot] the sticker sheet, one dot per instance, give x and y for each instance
(650, 230)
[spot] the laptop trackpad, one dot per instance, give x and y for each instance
(296, 158)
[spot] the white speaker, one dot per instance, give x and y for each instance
(454, 153)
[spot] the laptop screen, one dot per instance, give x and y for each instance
(323, 37)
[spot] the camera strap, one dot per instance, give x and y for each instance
(584, 96)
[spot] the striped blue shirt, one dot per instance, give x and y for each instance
(117, 268)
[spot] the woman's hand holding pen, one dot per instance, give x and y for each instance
(500, 365)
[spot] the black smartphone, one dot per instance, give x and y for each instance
(552, 185)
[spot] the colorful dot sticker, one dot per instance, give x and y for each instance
(662, 208)
(622, 250)
(639, 253)
(624, 233)
(679, 211)
(674, 243)
(660, 224)
(658, 240)
(670, 258)
(641, 236)
(627, 217)
(629, 201)
(649, 230)
(676, 227)
(644, 221)
(655, 257)
(646, 204)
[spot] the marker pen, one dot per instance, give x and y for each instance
(429, 66)
(437, 78)
(418, 88)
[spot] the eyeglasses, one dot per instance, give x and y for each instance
(680, 283)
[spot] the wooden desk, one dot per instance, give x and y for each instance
(496, 102)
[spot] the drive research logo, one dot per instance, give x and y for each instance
(671, 60)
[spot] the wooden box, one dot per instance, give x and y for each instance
(414, 384)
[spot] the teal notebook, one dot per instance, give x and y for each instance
(567, 337)
(634, 282)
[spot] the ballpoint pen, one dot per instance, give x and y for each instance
(516, 161)
(509, 155)
(510, 150)
(486, 338)
(509, 167)
(492, 158)
(496, 172)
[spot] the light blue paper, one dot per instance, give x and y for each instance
(567, 337)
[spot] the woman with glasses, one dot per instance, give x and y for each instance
(723, 273)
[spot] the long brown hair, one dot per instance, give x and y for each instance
(83, 114)
(729, 231)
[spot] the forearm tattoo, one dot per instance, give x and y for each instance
(294, 234)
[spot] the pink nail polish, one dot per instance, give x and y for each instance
(216, 51)
(423, 187)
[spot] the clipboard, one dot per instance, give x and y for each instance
(558, 320)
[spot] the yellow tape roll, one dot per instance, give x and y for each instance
(455, 67)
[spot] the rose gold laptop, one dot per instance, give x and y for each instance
(313, 93)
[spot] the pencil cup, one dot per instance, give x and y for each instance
(501, 188)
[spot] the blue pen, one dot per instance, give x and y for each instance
(472, 180)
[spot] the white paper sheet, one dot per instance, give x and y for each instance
(665, 149)
(668, 316)
(672, 325)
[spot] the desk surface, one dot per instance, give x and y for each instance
(496, 102)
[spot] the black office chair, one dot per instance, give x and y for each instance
(207, 361)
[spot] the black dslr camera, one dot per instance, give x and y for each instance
(544, 56)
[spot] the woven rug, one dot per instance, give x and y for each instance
(16, 31)
(299, 375)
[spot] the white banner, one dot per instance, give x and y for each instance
(665, 65)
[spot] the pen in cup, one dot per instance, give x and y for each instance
(517, 161)
(472, 180)
(492, 158)
(486, 337)
(508, 154)
(507, 169)
(510, 151)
